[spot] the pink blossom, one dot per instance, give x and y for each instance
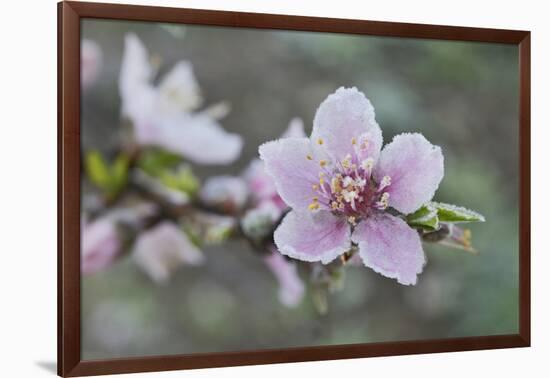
(291, 287)
(260, 183)
(227, 193)
(100, 245)
(91, 58)
(165, 115)
(340, 184)
(163, 249)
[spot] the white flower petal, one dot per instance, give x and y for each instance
(311, 237)
(199, 138)
(163, 249)
(346, 115)
(179, 90)
(415, 167)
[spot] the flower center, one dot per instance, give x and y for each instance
(347, 187)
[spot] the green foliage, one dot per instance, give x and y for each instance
(155, 161)
(456, 214)
(425, 218)
(167, 168)
(437, 221)
(429, 216)
(182, 180)
(110, 178)
(192, 235)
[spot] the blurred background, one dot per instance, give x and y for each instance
(461, 96)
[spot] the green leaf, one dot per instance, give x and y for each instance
(187, 181)
(456, 214)
(155, 161)
(111, 179)
(182, 180)
(119, 171)
(97, 170)
(426, 218)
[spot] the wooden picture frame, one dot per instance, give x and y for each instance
(70, 15)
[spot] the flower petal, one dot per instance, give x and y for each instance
(295, 129)
(311, 237)
(415, 167)
(286, 161)
(91, 58)
(135, 70)
(179, 90)
(291, 287)
(164, 248)
(344, 115)
(259, 182)
(228, 193)
(198, 138)
(100, 245)
(138, 107)
(390, 247)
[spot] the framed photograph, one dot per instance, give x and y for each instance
(240, 188)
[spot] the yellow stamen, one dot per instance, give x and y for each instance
(353, 141)
(467, 238)
(309, 157)
(351, 220)
(313, 206)
(320, 141)
(322, 162)
(384, 200)
(335, 186)
(321, 181)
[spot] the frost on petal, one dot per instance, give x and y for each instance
(100, 245)
(179, 90)
(291, 287)
(225, 192)
(415, 167)
(344, 116)
(260, 183)
(390, 247)
(312, 237)
(91, 58)
(198, 138)
(295, 129)
(163, 249)
(294, 174)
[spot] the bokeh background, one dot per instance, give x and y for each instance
(461, 96)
